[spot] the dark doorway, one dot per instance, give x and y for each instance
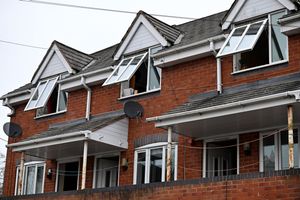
(67, 176)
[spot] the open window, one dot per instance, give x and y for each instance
(137, 74)
(47, 98)
(256, 44)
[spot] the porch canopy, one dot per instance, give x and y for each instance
(247, 108)
(104, 133)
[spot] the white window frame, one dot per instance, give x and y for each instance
(47, 97)
(235, 137)
(118, 80)
(250, 46)
(105, 155)
(277, 147)
(36, 164)
(235, 56)
(147, 150)
(63, 161)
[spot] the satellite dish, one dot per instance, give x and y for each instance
(12, 129)
(133, 109)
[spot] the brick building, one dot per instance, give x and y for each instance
(218, 96)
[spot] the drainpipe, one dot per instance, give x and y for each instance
(88, 98)
(219, 67)
(13, 111)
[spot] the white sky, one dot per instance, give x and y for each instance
(85, 30)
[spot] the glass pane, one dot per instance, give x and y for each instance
(279, 40)
(107, 172)
(131, 68)
(269, 153)
(285, 150)
(39, 179)
(118, 71)
(154, 77)
(62, 102)
(155, 165)
(46, 93)
(234, 40)
(140, 176)
(37, 93)
(250, 37)
(29, 185)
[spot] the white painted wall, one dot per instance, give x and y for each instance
(253, 8)
(141, 39)
(54, 67)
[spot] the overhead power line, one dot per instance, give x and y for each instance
(24, 45)
(102, 9)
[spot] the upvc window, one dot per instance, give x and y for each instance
(47, 98)
(33, 178)
(274, 151)
(150, 164)
(137, 74)
(256, 44)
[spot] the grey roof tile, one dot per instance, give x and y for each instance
(94, 124)
(27, 86)
(222, 99)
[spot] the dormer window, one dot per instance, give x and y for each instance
(256, 44)
(47, 98)
(137, 74)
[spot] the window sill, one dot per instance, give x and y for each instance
(259, 67)
(139, 94)
(51, 114)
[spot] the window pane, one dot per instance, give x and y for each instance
(285, 150)
(36, 95)
(29, 185)
(131, 68)
(39, 179)
(46, 93)
(279, 40)
(154, 76)
(140, 176)
(62, 102)
(234, 40)
(116, 74)
(107, 172)
(250, 36)
(155, 165)
(269, 153)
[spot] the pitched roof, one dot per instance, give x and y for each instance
(25, 87)
(76, 59)
(97, 122)
(227, 98)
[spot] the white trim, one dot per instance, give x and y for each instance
(141, 20)
(105, 155)
(63, 161)
(50, 114)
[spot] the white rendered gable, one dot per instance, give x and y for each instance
(54, 67)
(247, 9)
(142, 39)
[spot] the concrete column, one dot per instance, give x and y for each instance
(84, 163)
(21, 172)
(169, 154)
(291, 136)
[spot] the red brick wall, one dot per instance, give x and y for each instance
(261, 188)
(178, 83)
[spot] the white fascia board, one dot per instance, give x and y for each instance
(232, 15)
(186, 53)
(226, 109)
(147, 24)
(14, 100)
(91, 78)
(290, 25)
(48, 143)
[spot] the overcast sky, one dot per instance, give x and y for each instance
(83, 29)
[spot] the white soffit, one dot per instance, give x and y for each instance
(141, 20)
